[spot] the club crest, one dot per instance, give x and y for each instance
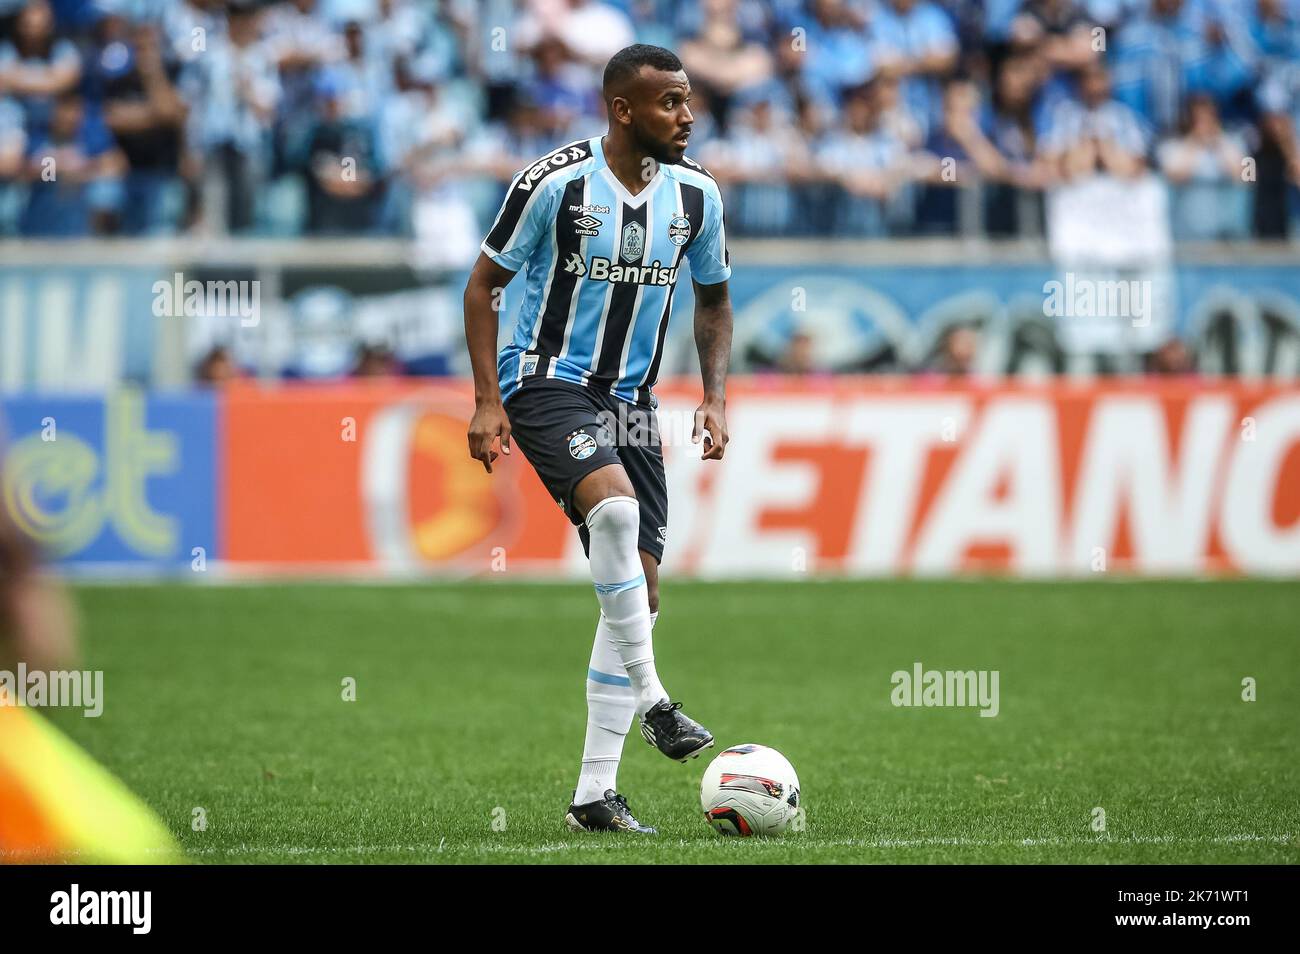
(679, 230)
(633, 243)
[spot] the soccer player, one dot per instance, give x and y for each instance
(601, 227)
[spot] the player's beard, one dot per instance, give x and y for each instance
(657, 150)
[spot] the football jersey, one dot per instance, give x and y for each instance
(601, 266)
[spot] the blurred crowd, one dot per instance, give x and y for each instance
(819, 117)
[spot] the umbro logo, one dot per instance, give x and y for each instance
(587, 225)
(575, 265)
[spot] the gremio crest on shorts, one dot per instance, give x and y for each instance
(633, 242)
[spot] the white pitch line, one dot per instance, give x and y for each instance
(795, 843)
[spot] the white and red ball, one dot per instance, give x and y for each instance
(750, 789)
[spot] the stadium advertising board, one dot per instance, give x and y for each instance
(848, 476)
(109, 483)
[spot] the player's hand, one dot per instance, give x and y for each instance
(711, 417)
(488, 423)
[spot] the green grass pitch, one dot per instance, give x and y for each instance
(462, 744)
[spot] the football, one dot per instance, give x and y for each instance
(750, 790)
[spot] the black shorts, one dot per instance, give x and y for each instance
(567, 431)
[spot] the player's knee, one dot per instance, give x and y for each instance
(600, 485)
(617, 516)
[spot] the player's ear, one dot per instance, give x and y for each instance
(620, 109)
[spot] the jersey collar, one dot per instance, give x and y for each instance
(620, 190)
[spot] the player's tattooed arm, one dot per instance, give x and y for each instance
(482, 293)
(713, 342)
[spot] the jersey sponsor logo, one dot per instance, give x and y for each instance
(663, 536)
(581, 445)
(530, 363)
(588, 209)
(575, 266)
(679, 230)
(553, 161)
(633, 242)
(587, 225)
(604, 270)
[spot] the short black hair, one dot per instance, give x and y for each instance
(624, 65)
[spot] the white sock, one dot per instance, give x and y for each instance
(620, 587)
(610, 708)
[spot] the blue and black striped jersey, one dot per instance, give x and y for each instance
(601, 266)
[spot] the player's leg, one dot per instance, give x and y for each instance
(650, 566)
(606, 497)
(663, 724)
(611, 703)
(612, 515)
(559, 429)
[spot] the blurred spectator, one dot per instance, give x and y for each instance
(1017, 115)
(376, 361)
(9, 10)
(957, 351)
(302, 43)
(568, 98)
(217, 367)
(343, 183)
(895, 118)
(757, 160)
(429, 108)
(1113, 14)
(186, 26)
(13, 141)
(425, 136)
(1172, 357)
(523, 137)
(590, 31)
(65, 163)
(916, 43)
(799, 354)
(409, 30)
(1205, 167)
(722, 60)
(146, 114)
(1178, 47)
(36, 66)
(868, 167)
(831, 54)
(1059, 29)
(1274, 29)
(960, 155)
(1093, 134)
(1278, 157)
(234, 90)
(363, 78)
(495, 64)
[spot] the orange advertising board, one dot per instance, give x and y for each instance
(850, 476)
